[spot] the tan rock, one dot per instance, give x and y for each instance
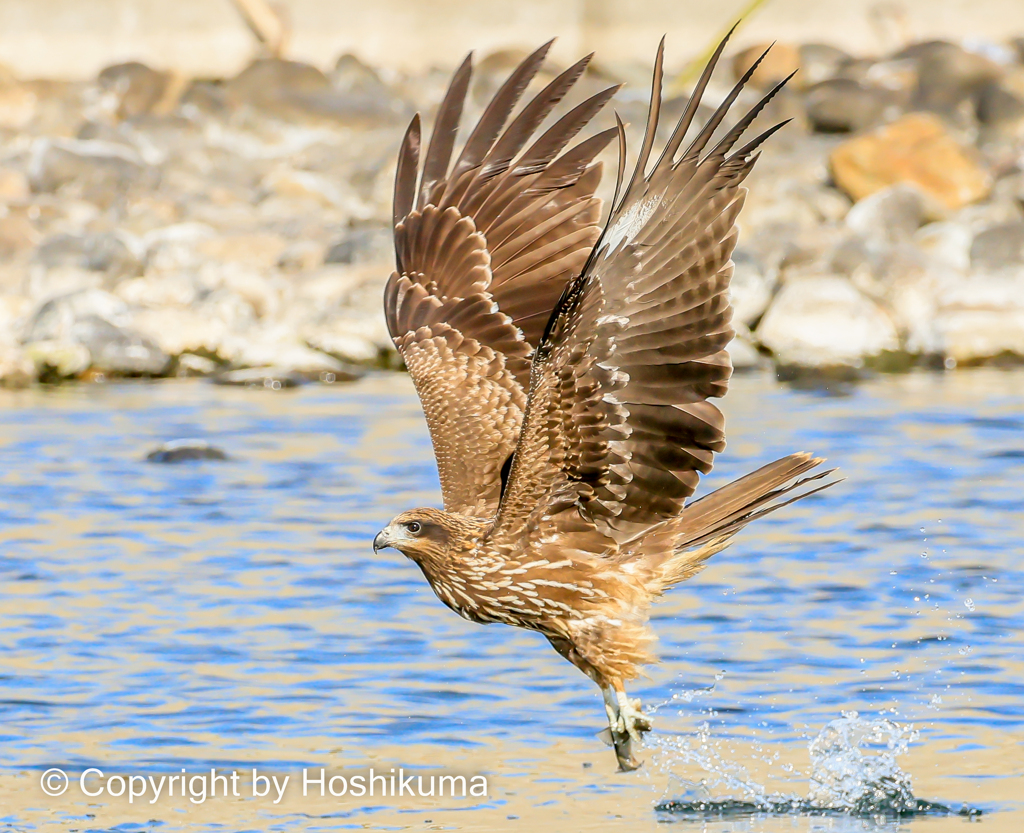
(190, 364)
(330, 285)
(267, 350)
(781, 61)
(915, 149)
(13, 186)
(982, 317)
(17, 105)
(17, 235)
(973, 336)
(259, 250)
(177, 331)
(176, 289)
(17, 370)
(14, 309)
(343, 345)
(286, 182)
(59, 358)
(822, 321)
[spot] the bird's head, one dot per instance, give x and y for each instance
(421, 534)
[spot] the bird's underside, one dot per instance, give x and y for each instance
(565, 368)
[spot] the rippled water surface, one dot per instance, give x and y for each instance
(232, 614)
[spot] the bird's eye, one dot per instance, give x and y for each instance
(414, 527)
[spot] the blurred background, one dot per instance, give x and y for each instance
(202, 429)
(201, 188)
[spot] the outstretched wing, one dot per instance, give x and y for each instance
(618, 426)
(484, 248)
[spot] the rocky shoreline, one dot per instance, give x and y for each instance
(154, 226)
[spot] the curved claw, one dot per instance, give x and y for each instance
(626, 726)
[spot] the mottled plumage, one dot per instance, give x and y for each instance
(565, 371)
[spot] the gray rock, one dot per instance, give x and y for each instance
(138, 88)
(1010, 189)
(744, 355)
(851, 255)
(54, 319)
(205, 97)
(292, 90)
(100, 172)
(118, 351)
(1000, 111)
(185, 451)
(269, 83)
(1017, 44)
(998, 247)
(842, 105)
(824, 321)
(947, 74)
(751, 288)
(819, 62)
(892, 214)
(361, 244)
(265, 378)
(856, 69)
(98, 322)
(350, 75)
(93, 252)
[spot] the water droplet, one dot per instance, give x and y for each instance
(969, 604)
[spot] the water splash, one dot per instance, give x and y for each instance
(853, 772)
(846, 776)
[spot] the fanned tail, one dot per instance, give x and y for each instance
(707, 525)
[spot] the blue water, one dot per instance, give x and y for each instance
(158, 617)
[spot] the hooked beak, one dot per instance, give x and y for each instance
(381, 541)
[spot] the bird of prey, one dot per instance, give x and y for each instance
(565, 368)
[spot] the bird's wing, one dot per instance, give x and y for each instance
(484, 248)
(618, 425)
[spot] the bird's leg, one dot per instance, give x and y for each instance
(634, 721)
(626, 724)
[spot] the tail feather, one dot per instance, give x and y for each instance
(678, 550)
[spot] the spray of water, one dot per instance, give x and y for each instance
(853, 772)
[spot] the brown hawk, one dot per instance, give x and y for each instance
(565, 370)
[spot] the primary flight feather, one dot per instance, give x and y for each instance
(565, 368)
